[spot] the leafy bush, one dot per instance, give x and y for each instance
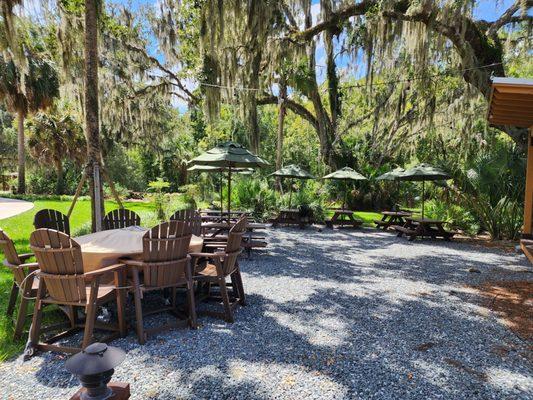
(160, 200)
(454, 214)
(254, 196)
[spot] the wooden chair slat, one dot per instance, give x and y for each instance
(120, 218)
(52, 219)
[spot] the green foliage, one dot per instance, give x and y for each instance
(160, 200)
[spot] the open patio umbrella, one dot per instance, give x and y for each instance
(229, 155)
(345, 174)
(423, 173)
(292, 171)
(221, 170)
(393, 175)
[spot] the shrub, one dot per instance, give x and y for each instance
(160, 200)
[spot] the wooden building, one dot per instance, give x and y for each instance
(511, 104)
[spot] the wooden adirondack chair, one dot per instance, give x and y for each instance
(120, 218)
(18, 264)
(192, 218)
(223, 264)
(52, 219)
(63, 282)
(165, 264)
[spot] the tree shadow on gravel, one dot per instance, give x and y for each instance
(385, 318)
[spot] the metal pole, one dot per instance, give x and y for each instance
(423, 195)
(221, 194)
(229, 193)
(290, 193)
(97, 200)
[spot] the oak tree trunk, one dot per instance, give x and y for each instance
(281, 122)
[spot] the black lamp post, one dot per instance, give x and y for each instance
(94, 367)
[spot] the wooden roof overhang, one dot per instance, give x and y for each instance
(511, 102)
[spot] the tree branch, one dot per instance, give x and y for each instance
(507, 17)
(293, 106)
(170, 73)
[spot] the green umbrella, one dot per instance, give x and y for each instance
(229, 155)
(208, 168)
(345, 174)
(292, 172)
(393, 175)
(423, 173)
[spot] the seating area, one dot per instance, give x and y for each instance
(256, 200)
(406, 309)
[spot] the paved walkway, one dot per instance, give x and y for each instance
(11, 207)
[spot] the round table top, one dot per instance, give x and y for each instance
(101, 249)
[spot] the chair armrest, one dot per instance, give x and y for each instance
(31, 266)
(207, 255)
(25, 256)
(101, 271)
(135, 263)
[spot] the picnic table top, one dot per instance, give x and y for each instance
(425, 220)
(342, 211)
(289, 210)
(397, 213)
(225, 225)
(218, 212)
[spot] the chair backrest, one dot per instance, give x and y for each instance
(191, 217)
(61, 264)
(165, 249)
(234, 245)
(11, 257)
(120, 218)
(8, 248)
(52, 219)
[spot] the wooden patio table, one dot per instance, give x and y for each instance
(391, 218)
(219, 227)
(104, 248)
(423, 227)
(343, 218)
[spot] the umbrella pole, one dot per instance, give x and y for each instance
(229, 193)
(423, 196)
(290, 193)
(345, 195)
(221, 194)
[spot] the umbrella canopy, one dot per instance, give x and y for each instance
(293, 171)
(231, 155)
(345, 174)
(391, 175)
(423, 173)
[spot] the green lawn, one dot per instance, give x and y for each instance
(19, 229)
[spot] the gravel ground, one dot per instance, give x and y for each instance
(333, 314)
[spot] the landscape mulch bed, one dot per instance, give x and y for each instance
(513, 302)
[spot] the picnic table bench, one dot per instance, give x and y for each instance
(250, 240)
(343, 218)
(423, 227)
(391, 218)
(288, 217)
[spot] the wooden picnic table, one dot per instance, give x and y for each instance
(223, 217)
(343, 218)
(249, 240)
(391, 218)
(288, 216)
(423, 227)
